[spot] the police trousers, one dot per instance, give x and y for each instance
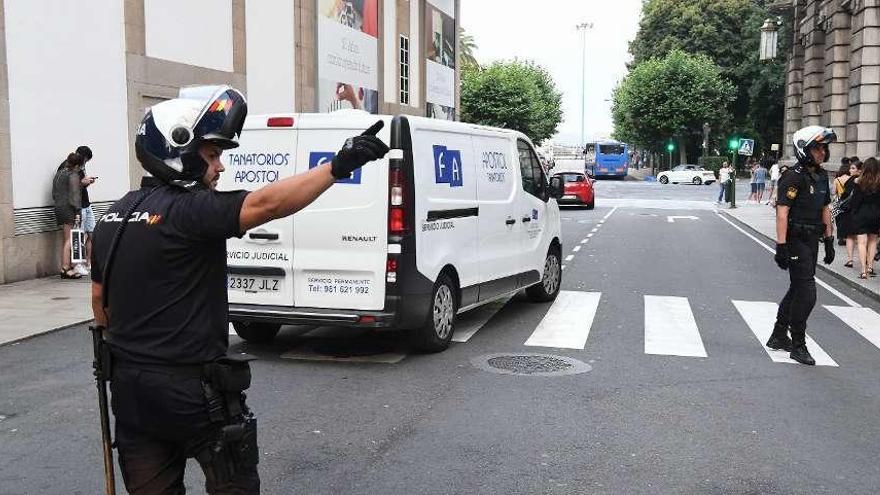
(800, 299)
(161, 421)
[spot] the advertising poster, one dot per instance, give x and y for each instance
(440, 66)
(348, 55)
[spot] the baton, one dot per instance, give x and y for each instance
(101, 382)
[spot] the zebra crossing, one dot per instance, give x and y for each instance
(670, 326)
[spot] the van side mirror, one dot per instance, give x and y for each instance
(557, 189)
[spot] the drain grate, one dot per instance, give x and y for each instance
(530, 364)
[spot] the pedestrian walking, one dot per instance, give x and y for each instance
(87, 214)
(159, 273)
(844, 186)
(775, 173)
(802, 219)
(753, 184)
(760, 181)
(67, 199)
(723, 182)
(865, 206)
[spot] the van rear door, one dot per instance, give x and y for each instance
(341, 240)
(260, 263)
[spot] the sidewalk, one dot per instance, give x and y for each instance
(762, 219)
(33, 307)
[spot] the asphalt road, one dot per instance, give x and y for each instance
(722, 418)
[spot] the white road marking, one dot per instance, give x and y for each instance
(673, 218)
(569, 257)
(563, 267)
(576, 249)
(760, 317)
(820, 282)
(567, 324)
(609, 213)
(595, 230)
(670, 328)
(585, 241)
(467, 324)
(589, 235)
(863, 320)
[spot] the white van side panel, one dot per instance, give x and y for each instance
(341, 240)
(446, 218)
(264, 156)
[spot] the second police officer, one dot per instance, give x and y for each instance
(161, 283)
(803, 218)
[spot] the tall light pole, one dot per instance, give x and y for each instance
(583, 27)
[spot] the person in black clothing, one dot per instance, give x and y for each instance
(802, 218)
(162, 281)
(865, 207)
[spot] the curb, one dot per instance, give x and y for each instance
(45, 332)
(842, 278)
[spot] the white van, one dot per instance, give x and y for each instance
(455, 216)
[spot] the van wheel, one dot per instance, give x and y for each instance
(551, 280)
(256, 333)
(436, 334)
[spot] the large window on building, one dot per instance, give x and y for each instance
(404, 70)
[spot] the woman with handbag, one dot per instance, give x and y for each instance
(865, 207)
(67, 196)
(843, 187)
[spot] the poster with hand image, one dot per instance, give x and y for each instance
(348, 55)
(440, 65)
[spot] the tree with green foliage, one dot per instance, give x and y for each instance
(468, 46)
(515, 95)
(728, 32)
(668, 100)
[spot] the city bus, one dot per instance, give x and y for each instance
(606, 159)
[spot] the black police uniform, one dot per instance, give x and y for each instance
(806, 194)
(168, 318)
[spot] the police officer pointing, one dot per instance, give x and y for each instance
(159, 287)
(802, 219)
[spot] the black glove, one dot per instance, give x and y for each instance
(358, 151)
(783, 259)
(829, 249)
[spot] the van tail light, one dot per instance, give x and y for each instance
(396, 215)
(280, 122)
(391, 270)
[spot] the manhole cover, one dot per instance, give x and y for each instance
(530, 364)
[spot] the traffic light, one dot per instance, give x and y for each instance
(670, 147)
(734, 143)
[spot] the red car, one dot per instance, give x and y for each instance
(578, 189)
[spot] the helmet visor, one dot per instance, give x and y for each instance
(223, 119)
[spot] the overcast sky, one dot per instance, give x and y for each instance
(544, 31)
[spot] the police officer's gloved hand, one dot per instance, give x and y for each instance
(782, 258)
(829, 249)
(358, 151)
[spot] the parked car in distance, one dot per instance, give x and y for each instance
(578, 189)
(689, 174)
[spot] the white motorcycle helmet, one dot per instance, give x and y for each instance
(809, 137)
(168, 139)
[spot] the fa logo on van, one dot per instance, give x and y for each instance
(447, 166)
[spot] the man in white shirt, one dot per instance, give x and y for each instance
(723, 178)
(774, 177)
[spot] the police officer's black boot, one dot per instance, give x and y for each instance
(779, 338)
(799, 350)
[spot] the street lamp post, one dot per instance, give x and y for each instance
(583, 27)
(734, 149)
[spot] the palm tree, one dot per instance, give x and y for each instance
(468, 46)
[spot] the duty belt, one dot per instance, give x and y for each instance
(182, 370)
(805, 229)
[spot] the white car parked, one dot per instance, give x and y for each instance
(456, 216)
(690, 174)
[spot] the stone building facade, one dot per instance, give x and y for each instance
(62, 85)
(834, 72)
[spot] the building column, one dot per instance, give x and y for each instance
(814, 66)
(864, 93)
(794, 85)
(836, 87)
(7, 222)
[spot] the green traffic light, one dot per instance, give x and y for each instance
(734, 143)
(670, 147)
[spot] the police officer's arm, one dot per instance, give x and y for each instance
(290, 195)
(98, 304)
(781, 223)
(285, 197)
(826, 219)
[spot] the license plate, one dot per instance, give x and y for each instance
(569, 196)
(253, 284)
